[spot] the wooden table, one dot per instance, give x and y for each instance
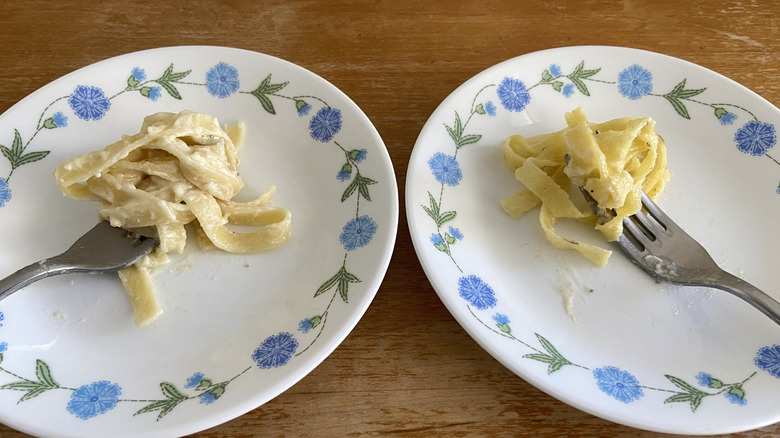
(408, 368)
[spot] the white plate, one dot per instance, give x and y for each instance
(635, 352)
(237, 329)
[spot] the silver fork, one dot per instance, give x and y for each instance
(662, 249)
(102, 249)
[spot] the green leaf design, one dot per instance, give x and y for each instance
(15, 151)
(446, 217)
(678, 106)
(266, 103)
(359, 184)
(34, 388)
(467, 140)
(266, 88)
(49, 123)
(15, 154)
(43, 373)
(442, 247)
(164, 406)
(555, 359)
(17, 148)
(581, 73)
(720, 112)
(540, 357)
(435, 214)
(168, 78)
(682, 384)
(172, 398)
(341, 281)
(132, 82)
(31, 157)
(690, 394)
(433, 210)
(7, 153)
(170, 391)
(344, 285)
(456, 132)
(204, 384)
(678, 94)
(738, 391)
(681, 397)
(329, 283)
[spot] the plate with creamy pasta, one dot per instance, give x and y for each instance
(513, 251)
(276, 205)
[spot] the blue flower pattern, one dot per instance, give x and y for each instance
(727, 119)
(222, 80)
(345, 173)
(735, 398)
(5, 192)
(619, 384)
(138, 74)
(445, 169)
(476, 292)
(91, 400)
(325, 124)
(357, 232)
(704, 379)
(305, 325)
(568, 90)
(513, 94)
(768, 359)
(208, 397)
(501, 318)
(490, 108)
(194, 380)
(755, 138)
(59, 120)
(154, 93)
(89, 103)
(275, 350)
(302, 107)
(635, 82)
(361, 155)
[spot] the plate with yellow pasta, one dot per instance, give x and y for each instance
(276, 206)
(509, 244)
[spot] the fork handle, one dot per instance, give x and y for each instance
(746, 291)
(30, 274)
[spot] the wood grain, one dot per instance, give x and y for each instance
(408, 369)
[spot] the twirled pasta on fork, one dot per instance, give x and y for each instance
(179, 169)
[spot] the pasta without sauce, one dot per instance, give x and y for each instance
(179, 169)
(615, 161)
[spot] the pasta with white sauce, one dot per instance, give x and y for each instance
(615, 161)
(179, 169)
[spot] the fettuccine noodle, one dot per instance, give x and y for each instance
(179, 169)
(614, 161)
